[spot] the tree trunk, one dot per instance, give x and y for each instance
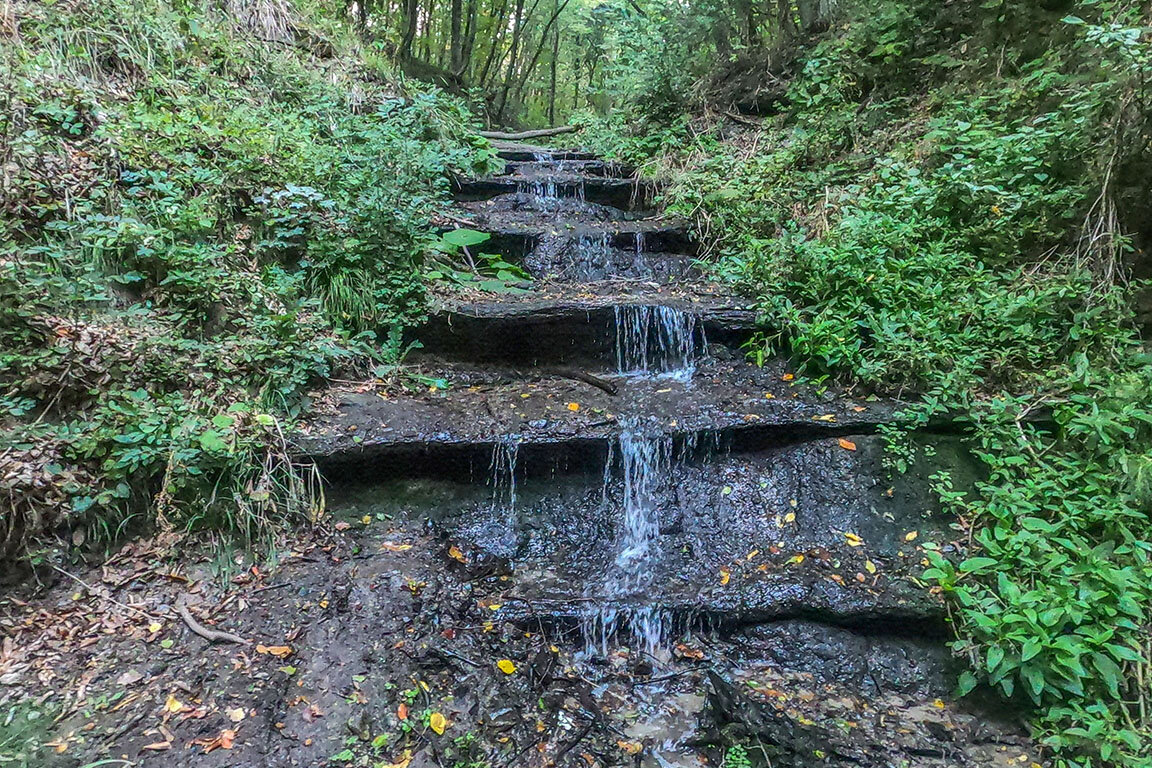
(469, 41)
(513, 52)
(411, 12)
(540, 48)
(552, 77)
(497, 39)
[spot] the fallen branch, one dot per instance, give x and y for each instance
(584, 376)
(523, 135)
(211, 635)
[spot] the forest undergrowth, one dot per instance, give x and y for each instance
(947, 203)
(206, 211)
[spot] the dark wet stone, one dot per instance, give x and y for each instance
(551, 326)
(619, 193)
(740, 404)
(780, 532)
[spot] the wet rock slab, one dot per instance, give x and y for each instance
(563, 323)
(809, 529)
(490, 406)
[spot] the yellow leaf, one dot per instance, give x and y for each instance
(769, 396)
(854, 540)
(788, 377)
(911, 536)
(938, 704)
(829, 417)
(366, 519)
(235, 715)
(173, 705)
(847, 445)
(752, 554)
(506, 666)
(790, 517)
(870, 566)
(455, 553)
(725, 576)
(155, 627)
(796, 559)
(573, 406)
(391, 547)
(437, 722)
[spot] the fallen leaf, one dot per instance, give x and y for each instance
(870, 566)
(854, 540)
(911, 536)
(173, 705)
(438, 723)
(938, 704)
(155, 627)
(631, 747)
(790, 517)
(725, 576)
(573, 406)
(288, 670)
(279, 651)
(506, 666)
(788, 376)
(366, 519)
(796, 559)
(129, 678)
(847, 445)
(343, 525)
(391, 547)
(686, 652)
(829, 417)
(402, 711)
(236, 714)
(726, 490)
(752, 554)
(157, 746)
(769, 396)
(455, 553)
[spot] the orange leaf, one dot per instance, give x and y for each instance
(847, 445)
(279, 651)
(402, 711)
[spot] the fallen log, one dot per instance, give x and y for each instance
(524, 135)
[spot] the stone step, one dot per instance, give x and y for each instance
(599, 168)
(806, 529)
(559, 324)
(575, 262)
(520, 152)
(728, 402)
(624, 194)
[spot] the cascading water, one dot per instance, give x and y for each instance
(646, 460)
(502, 472)
(656, 340)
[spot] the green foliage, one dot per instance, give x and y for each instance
(937, 209)
(200, 227)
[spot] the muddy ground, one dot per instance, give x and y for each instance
(363, 643)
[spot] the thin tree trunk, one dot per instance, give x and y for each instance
(513, 53)
(552, 77)
(539, 48)
(411, 11)
(501, 19)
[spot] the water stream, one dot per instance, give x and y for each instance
(657, 341)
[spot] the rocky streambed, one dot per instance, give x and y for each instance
(610, 541)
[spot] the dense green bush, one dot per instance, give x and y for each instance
(199, 225)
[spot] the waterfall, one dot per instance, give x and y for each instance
(646, 461)
(502, 472)
(656, 340)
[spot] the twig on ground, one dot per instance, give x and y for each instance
(211, 635)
